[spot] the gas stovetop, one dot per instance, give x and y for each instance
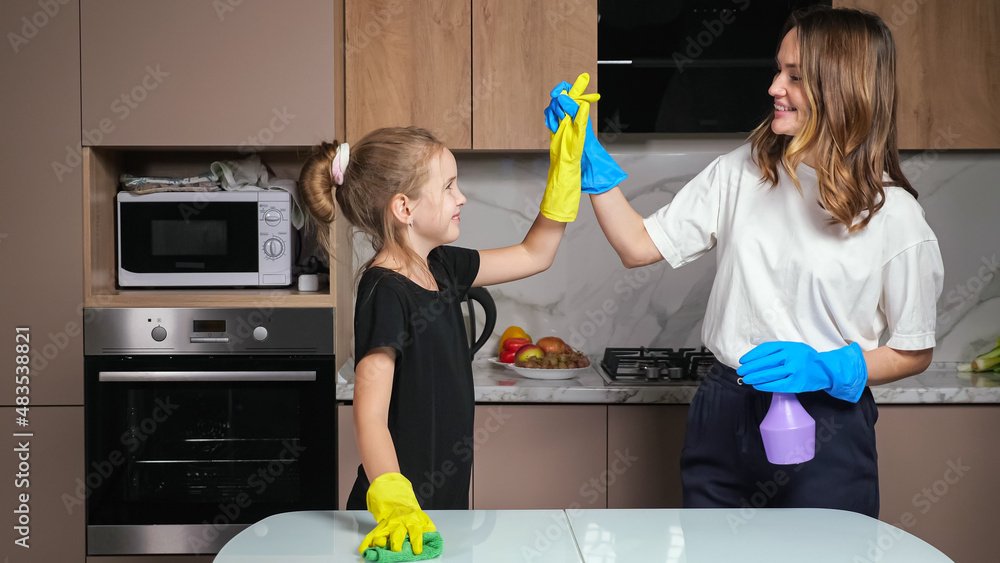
(655, 366)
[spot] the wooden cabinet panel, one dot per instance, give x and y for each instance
(42, 210)
(46, 468)
(409, 63)
(938, 466)
(540, 456)
(644, 448)
(521, 50)
(947, 71)
(195, 73)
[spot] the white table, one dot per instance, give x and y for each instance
(598, 536)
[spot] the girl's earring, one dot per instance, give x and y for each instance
(411, 222)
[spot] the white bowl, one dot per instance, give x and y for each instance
(542, 373)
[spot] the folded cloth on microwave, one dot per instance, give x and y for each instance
(251, 174)
(140, 185)
(433, 546)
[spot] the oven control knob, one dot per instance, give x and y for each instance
(272, 217)
(274, 248)
(260, 334)
(159, 334)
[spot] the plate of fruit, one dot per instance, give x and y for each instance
(548, 358)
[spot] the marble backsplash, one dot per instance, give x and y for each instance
(590, 300)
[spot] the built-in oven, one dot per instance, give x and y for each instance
(200, 422)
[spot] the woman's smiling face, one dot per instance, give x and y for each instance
(791, 106)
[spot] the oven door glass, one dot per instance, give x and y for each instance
(181, 237)
(163, 449)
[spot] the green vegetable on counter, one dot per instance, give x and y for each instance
(988, 361)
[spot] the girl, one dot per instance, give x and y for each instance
(413, 393)
(827, 277)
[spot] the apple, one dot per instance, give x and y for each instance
(529, 351)
(507, 356)
(552, 344)
(513, 344)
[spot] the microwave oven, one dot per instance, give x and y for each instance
(204, 239)
(686, 66)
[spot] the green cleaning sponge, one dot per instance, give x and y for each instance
(433, 546)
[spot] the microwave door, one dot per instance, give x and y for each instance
(164, 243)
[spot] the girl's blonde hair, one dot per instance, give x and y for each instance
(386, 162)
(847, 64)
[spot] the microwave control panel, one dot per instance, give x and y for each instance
(275, 237)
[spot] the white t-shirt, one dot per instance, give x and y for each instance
(786, 273)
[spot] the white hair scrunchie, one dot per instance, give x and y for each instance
(339, 164)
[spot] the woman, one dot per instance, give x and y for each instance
(823, 254)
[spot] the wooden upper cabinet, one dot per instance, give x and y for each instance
(409, 63)
(947, 71)
(249, 73)
(521, 50)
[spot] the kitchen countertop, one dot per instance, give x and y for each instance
(940, 384)
(598, 536)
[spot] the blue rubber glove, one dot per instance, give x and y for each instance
(793, 367)
(600, 172)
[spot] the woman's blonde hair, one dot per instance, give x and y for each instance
(385, 162)
(847, 64)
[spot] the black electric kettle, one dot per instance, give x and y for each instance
(485, 300)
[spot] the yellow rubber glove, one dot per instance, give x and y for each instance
(394, 506)
(561, 200)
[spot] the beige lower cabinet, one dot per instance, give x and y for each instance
(43, 462)
(540, 456)
(644, 449)
(938, 470)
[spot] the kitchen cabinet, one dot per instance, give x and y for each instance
(476, 73)
(248, 74)
(521, 49)
(44, 491)
(40, 218)
(946, 71)
(938, 466)
(540, 456)
(644, 450)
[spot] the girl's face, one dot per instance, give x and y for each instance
(791, 106)
(436, 216)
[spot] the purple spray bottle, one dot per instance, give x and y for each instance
(789, 433)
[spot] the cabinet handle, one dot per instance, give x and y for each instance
(193, 376)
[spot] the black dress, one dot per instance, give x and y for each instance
(432, 406)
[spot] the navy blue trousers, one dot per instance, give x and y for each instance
(723, 464)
